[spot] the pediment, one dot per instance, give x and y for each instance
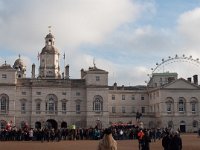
(181, 84)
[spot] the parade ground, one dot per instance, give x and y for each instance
(190, 142)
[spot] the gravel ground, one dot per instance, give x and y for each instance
(190, 142)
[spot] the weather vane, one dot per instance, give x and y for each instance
(49, 29)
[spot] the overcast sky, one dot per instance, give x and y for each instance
(124, 37)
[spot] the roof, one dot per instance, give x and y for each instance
(50, 49)
(5, 66)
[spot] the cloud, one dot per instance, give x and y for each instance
(188, 28)
(24, 23)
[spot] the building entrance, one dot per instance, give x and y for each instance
(51, 124)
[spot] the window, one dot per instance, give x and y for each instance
(123, 97)
(193, 107)
(98, 103)
(38, 93)
(195, 124)
(181, 105)
(38, 108)
(97, 78)
(133, 97)
(4, 103)
(4, 76)
(64, 108)
(113, 110)
(64, 93)
(23, 107)
(142, 97)
(113, 97)
(123, 109)
(143, 109)
(51, 104)
(78, 108)
(169, 105)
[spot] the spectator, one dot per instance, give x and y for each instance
(107, 143)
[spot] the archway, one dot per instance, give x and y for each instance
(98, 124)
(2, 124)
(63, 124)
(38, 125)
(51, 124)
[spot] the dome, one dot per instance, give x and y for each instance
(18, 62)
(49, 35)
(49, 49)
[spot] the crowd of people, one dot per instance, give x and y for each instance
(119, 132)
(170, 140)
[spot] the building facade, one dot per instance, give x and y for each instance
(52, 99)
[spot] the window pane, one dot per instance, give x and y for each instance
(193, 107)
(23, 108)
(113, 97)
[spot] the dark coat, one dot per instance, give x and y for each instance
(176, 143)
(166, 142)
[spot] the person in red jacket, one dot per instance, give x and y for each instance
(140, 138)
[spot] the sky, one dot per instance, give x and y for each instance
(124, 37)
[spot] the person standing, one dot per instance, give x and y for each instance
(140, 139)
(166, 141)
(176, 142)
(107, 142)
(146, 140)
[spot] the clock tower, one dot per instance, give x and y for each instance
(49, 59)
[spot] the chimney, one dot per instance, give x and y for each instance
(170, 79)
(189, 79)
(33, 71)
(115, 86)
(67, 72)
(195, 79)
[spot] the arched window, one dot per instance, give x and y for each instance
(38, 108)
(169, 104)
(64, 106)
(23, 105)
(98, 103)
(4, 103)
(194, 105)
(181, 104)
(51, 104)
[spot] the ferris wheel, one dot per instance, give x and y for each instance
(184, 64)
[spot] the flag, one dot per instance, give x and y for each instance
(64, 56)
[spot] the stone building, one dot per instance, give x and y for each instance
(52, 99)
